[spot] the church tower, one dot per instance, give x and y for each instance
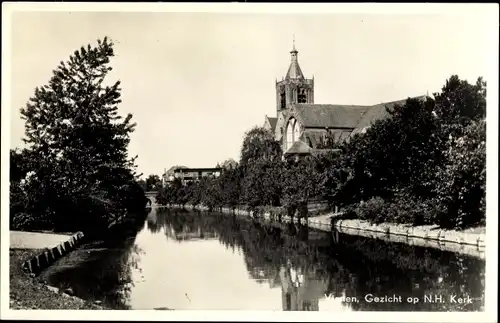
(294, 87)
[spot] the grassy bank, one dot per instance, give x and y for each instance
(27, 293)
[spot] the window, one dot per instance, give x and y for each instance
(282, 98)
(296, 131)
(302, 97)
(289, 133)
(292, 133)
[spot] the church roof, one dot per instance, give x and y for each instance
(299, 148)
(329, 115)
(343, 116)
(312, 138)
(272, 122)
(379, 111)
(294, 71)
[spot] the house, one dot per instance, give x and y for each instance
(187, 175)
(168, 175)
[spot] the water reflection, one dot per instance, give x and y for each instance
(188, 260)
(98, 271)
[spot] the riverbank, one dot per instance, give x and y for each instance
(470, 242)
(51, 247)
(26, 293)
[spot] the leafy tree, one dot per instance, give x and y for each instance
(230, 186)
(153, 182)
(259, 143)
(195, 192)
(212, 194)
(329, 141)
(171, 193)
(460, 101)
(20, 164)
(168, 194)
(19, 200)
(328, 169)
(77, 142)
(229, 164)
(261, 170)
(261, 184)
(416, 137)
(462, 185)
(300, 183)
(143, 184)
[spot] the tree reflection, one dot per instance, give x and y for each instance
(101, 270)
(309, 264)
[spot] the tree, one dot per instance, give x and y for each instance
(143, 184)
(261, 185)
(462, 185)
(153, 182)
(168, 194)
(230, 186)
(20, 164)
(229, 164)
(212, 194)
(301, 183)
(261, 168)
(259, 143)
(460, 101)
(415, 155)
(77, 141)
(329, 141)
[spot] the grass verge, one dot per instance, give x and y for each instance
(26, 293)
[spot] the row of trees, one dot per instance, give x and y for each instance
(260, 179)
(75, 172)
(151, 183)
(425, 164)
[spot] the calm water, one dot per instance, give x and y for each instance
(187, 260)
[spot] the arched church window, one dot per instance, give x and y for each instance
(290, 133)
(296, 130)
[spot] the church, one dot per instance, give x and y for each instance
(301, 126)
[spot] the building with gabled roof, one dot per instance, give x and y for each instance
(301, 126)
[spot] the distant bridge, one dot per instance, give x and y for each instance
(151, 195)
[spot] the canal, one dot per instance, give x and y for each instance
(190, 260)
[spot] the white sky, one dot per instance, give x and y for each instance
(195, 82)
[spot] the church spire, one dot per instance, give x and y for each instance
(294, 71)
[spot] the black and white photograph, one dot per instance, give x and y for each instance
(202, 161)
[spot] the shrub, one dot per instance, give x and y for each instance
(373, 210)
(24, 221)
